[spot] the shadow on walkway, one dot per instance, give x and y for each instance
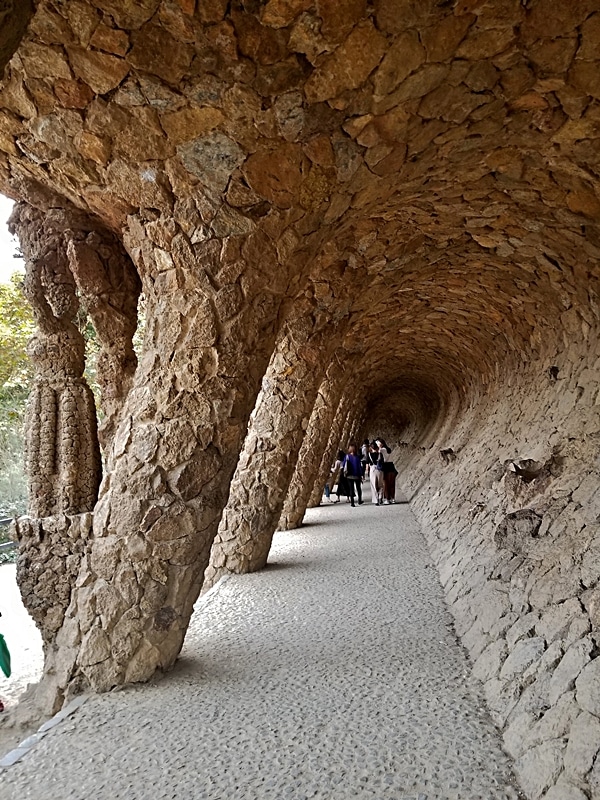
(333, 675)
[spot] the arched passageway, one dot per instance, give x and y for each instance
(371, 217)
(364, 694)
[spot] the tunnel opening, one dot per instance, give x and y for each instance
(389, 217)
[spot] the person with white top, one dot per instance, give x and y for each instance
(375, 475)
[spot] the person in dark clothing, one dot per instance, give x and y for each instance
(376, 474)
(352, 470)
(389, 473)
(343, 487)
(364, 459)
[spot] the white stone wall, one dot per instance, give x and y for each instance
(524, 589)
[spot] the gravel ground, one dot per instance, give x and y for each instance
(22, 636)
(332, 674)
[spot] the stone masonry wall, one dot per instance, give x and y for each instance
(511, 512)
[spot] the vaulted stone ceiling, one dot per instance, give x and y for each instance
(428, 169)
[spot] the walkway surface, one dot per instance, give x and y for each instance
(333, 674)
(22, 636)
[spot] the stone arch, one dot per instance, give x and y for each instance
(426, 175)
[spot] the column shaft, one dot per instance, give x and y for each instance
(313, 446)
(271, 449)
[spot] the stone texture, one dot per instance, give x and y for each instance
(583, 746)
(588, 688)
(249, 648)
(312, 449)
(426, 175)
(268, 458)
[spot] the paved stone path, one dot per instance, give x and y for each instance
(22, 637)
(333, 674)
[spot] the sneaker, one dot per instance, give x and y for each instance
(386, 502)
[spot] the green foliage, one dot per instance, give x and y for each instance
(16, 375)
(16, 328)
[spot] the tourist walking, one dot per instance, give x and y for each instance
(389, 473)
(342, 481)
(364, 459)
(353, 473)
(375, 474)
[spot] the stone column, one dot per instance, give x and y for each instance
(333, 444)
(62, 451)
(109, 287)
(212, 317)
(343, 426)
(313, 446)
(271, 448)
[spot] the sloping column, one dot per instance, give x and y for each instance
(313, 446)
(271, 448)
(62, 450)
(63, 453)
(211, 325)
(109, 287)
(342, 425)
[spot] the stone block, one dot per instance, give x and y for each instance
(538, 769)
(587, 687)
(488, 664)
(570, 666)
(583, 746)
(565, 791)
(524, 653)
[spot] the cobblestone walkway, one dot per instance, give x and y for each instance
(333, 674)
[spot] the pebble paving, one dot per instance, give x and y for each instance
(333, 674)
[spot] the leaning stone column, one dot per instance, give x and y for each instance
(271, 449)
(333, 443)
(63, 455)
(109, 287)
(212, 320)
(311, 452)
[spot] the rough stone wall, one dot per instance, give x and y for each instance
(63, 455)
(342, 424)
(277, 428)
(510, 502)
(315, 443)
(14, 16)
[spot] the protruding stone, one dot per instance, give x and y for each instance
(349, 66)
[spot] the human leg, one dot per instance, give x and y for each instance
(373, 482)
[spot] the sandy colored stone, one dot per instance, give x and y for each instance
(585, 75)
(101, 71)
(349, 66)
(110, 40)
(275, 176)
(212, 158)
(441, 40)
(72, 94)
(338, 19)
(280, 13)
(404, 57)
(155, 51)
(189, 123)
